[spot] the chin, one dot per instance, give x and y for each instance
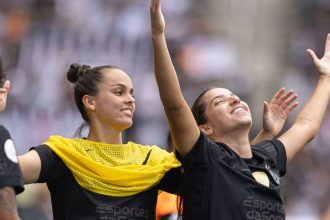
(127, 125)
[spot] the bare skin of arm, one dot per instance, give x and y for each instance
(309, 120)
(8, 207)
(183, 128)
(30, 165)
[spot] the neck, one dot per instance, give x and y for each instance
(103, 134)
(237, 141)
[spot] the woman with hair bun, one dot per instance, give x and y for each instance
(100, 177)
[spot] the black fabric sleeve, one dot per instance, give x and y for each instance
(275, 151)
(52, 167)
(200, 156)
(10, 172)
(12, 180)
(171, 181)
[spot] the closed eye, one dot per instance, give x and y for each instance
(118, 93)
(217, 102)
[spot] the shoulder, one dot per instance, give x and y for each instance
(269, 147)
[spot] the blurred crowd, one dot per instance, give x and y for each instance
(39, 39)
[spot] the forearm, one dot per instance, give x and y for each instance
(8, 207)
(166, 77)
(261, 136)
(312, 114)
(183, 127)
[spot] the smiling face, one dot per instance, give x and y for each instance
(225, 112)
(114, 103)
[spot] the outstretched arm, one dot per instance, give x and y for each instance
(183, 127)
(309, 120)
(275, 114)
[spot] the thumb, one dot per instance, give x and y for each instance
(266, 109)
(312, 55)
(6, 85)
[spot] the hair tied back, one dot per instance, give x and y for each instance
(76, 71)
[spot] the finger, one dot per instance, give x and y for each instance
(313, 56)
(155, 4)
(152, 5)
(288, 101)
(284, 97)
(291, 107)
(278, 94)
(6, 85)
(266, 108)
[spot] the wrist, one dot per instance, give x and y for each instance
(266, 133)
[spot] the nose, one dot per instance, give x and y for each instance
(234, 99)
(131, 99)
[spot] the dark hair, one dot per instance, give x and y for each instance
(86, 80)
(198, 108)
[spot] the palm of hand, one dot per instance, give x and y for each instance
(324, 64)
(274, 119)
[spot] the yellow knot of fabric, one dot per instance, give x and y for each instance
(113, 169)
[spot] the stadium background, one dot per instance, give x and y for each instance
(252, 47)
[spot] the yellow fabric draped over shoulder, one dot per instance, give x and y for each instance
(113, 169)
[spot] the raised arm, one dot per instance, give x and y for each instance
(183, 127)
(275, 114)
(309, 120)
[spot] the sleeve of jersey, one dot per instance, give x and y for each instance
(171, 181)
(52, 166)
(200, 156)
(275, 151)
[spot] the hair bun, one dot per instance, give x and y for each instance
(75, 71)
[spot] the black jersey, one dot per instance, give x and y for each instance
(219, 185)
(72, 202)
(10, 172)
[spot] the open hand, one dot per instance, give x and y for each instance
(323, 64)
(277, 111)
(157, 18)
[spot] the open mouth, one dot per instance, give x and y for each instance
(238, 109)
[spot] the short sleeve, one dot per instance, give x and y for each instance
(10, 172)
(52, 167)
(275, 151)
(201, 154)
(171, 181)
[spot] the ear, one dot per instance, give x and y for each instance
(206, 129)
(89, 102)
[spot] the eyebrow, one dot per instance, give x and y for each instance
(221, 96)
(122, 86)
